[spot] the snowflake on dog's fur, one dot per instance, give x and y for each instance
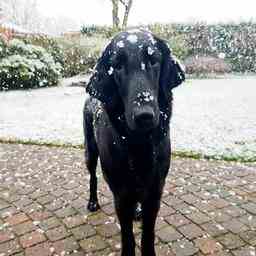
(132, 39)
(120, 44)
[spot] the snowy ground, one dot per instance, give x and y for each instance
(212, 117)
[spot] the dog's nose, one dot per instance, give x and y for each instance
(144, 118)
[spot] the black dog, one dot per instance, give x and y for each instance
(126, 124)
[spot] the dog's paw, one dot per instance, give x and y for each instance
(93, 206)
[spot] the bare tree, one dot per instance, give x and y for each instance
(22, 12)
(115, 11)
(127, 4)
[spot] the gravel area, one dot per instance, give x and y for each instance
(212, 116)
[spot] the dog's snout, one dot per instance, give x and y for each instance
(144, 118)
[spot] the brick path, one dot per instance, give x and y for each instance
(208, 208)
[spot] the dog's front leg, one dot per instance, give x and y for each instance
(149, 214)
(125, 212)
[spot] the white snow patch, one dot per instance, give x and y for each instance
(110, 71)
(150, 51)
(221, 55)
(146, 96)
(120, 44)
(132, 39)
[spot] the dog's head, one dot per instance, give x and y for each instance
(135, 71)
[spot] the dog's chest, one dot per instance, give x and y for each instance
(142, 168)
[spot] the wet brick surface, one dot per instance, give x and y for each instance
(208, 208)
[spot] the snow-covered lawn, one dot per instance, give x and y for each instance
(212, 117)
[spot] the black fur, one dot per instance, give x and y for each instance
(126, 124)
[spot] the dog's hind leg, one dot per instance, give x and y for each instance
(91, 158)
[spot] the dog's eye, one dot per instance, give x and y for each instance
(119, 61)
(118, 66)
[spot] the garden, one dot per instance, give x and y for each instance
(206, 51)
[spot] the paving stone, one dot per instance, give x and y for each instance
(3, 204)
(43, 249)
(31, 239)
(214, 229)
(6, 235)
(234, 211)
(189, 198)
(230, 241)
(74, 221)
(65, 212)
(198, 217)
(108, 209)
(208, 245)
(219, 202)
(172, 200)
(250, 207)
(164, 250)
(235, 226)
(249, 236)
(54, 205)
(184, 248)
(245, 251)
(205, 206)
(165, 210)
(66, 245)
(17, 219)
(191, 231)
(98, 219)
(45, 199)
(23, 202)
(93, 244)
(78, 203)
(57, 233)
(10, 247)
(249, 220)
(168, 234)
(177, 220)
(219, 215)
(108, 230)
(83, 231)
(49, 223)
(38, 193)
(160, 223)
(24, 228)
(40, 215)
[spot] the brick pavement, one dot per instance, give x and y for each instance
(208, 207)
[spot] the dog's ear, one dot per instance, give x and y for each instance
(101, 84)
(172, 72)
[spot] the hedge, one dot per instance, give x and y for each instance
(27, 66)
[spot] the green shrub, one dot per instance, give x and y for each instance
(203, 65)
(80, 55)
(103, 31)
(3, 48)
(27, 66)
(49, 44)
(236, 42)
